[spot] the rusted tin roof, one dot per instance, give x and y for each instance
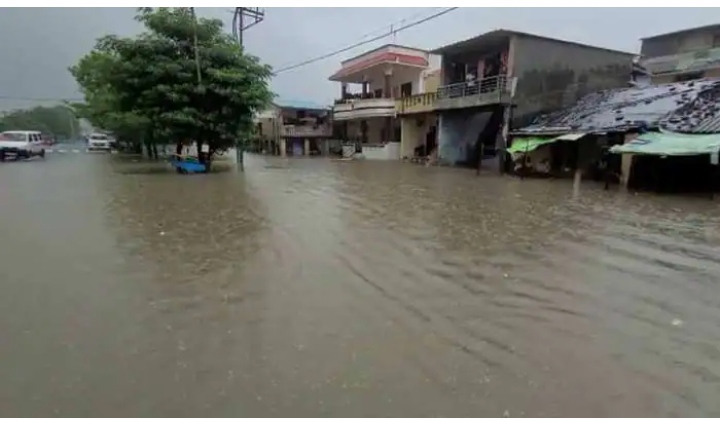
(688, 107)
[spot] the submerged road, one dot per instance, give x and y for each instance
(316, 288)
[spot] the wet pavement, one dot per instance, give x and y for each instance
(309, 287)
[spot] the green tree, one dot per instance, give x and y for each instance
(148, 85)
(57, 120)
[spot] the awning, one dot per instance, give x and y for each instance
(670, 144)
(527, 144)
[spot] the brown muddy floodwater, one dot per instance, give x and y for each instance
(316, 288)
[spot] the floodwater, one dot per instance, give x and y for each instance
(309, 287)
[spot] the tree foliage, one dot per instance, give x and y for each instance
(147, 86)
(59, 121)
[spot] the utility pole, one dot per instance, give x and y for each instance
(195, 46)
(196, 51)
(254, 15)
(243, 19)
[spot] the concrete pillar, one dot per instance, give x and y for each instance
(387, 86)
(576, 182)
(625, 169)
(307, 147)
(283, 147)
(626, 162)
(364, 88)
(389, 132)
(406, 149)
(343, 90)
(441, 135)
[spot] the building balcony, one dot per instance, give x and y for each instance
(362, 108)
(419, 103)
(306, 131)
(476, 93)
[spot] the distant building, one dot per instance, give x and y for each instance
(294, 128)
(683, 55)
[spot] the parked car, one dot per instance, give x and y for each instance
(20, 144)
(48, 139)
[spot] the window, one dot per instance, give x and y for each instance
(406, 89)
(14, 136)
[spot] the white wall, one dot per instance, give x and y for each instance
(390, 151)
(271, 112)
(400, 76)
(414, 132)
(374, 132)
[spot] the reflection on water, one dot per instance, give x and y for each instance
(311, 287)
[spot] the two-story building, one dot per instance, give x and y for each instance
(367, 114)
(482, 78)
(683, 55)
(294, 128)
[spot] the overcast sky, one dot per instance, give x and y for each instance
(38, 45)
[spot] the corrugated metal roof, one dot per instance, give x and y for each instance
(701, 115)
(651, 106)
(302, 104)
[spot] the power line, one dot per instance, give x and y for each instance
(361, 43)
(11, 98)
(383, 29)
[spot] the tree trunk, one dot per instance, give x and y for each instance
(148, 148)
(156, 155)
(203, 157)
(240, 156)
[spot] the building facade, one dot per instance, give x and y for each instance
(294, 128)
(683, 55)
(418, 120)
(370, 83)
(483, 77)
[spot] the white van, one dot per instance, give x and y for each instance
(21, 144)
(99, 142)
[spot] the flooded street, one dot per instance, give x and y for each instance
(309, 287)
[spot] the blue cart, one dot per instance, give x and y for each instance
(187, 165)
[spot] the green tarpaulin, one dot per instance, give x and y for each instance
(670, 144)
(527, 144)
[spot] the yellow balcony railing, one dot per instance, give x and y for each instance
(419, 103)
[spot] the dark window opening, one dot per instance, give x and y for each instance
(406, 89)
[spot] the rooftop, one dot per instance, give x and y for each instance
(501, 35)
(687, 107)
(299, 104)
(685, 31)
(380, 48)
